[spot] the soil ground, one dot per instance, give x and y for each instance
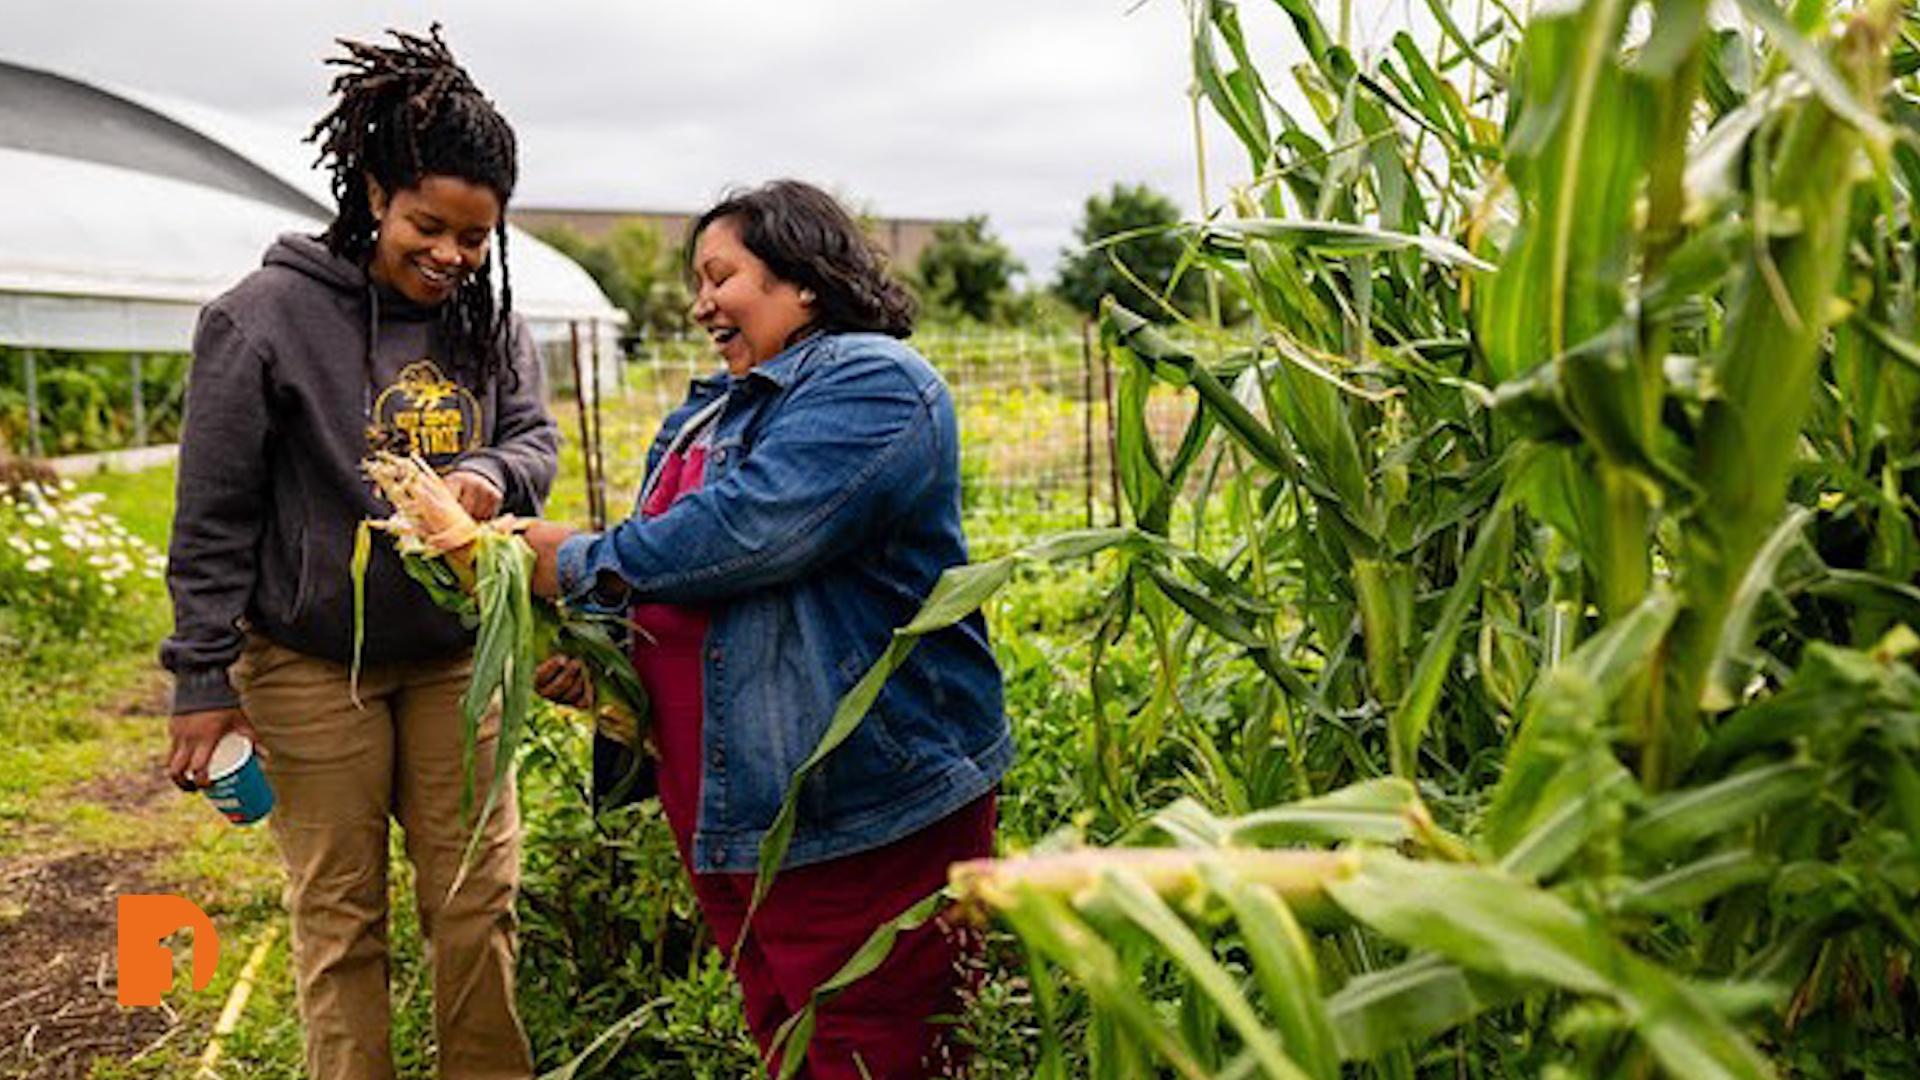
(101, 821)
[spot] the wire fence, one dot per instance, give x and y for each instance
(1035, 412)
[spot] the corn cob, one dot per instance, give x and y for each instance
(1298, 877)
(428, 518)
(429, 522)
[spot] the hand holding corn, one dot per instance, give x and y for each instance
(430, 525)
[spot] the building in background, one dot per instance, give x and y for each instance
(121, 213)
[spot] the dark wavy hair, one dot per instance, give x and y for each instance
(407, 111)
(809, 240)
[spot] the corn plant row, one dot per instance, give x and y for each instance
(1535, 687)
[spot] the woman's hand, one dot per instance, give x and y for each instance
(563, 680)
(194, 736)
(476, 493)
(544, 538)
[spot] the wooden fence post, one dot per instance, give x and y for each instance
(1086, 405)
(580, 405)
(598, 496)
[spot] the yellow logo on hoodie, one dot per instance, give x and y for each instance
(440, 418)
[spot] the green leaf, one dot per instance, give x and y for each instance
(1692, 886)
(1343, 238)
(1145, 909)
(1560, 776)
(1378, 1011)
(1284, 966)
(1377, 810)
(1676, 821)
(1235, 96)
(1576, 159)
(1409, 722)
(958, 593)
(1442, 14)
(1054, 931)
(1581, 801)
(1483, 919)
(357, 567)
(1814, 67)
(609, 1039)
(1731, 664)
(503, 584)
(796, 1032)
(1493, 923)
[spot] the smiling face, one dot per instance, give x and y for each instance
(747, 310)
(432, 235)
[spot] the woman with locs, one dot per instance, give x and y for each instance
(796, 509)
(386, 329)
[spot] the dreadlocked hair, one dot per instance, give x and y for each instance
(406, 111)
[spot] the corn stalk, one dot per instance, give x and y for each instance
(1575, 433)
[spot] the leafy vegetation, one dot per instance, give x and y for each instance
(1128, 249)
(76, 590)
(966, 272)
(86, 400)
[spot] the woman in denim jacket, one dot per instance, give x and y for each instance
(797, 508)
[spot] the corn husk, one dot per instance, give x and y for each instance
(428, 518)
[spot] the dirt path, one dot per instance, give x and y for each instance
(58, 1009)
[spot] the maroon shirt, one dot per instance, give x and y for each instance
(666, 654)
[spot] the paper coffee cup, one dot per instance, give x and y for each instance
(238, 784)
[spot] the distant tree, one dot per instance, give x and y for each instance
(966, 271)
(1087, 273)
(637, 269)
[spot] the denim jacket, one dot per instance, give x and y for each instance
(829, 506)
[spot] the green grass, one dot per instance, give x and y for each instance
(143, 500)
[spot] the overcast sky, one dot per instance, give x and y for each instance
(1014, 108)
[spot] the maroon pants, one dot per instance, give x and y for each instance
(894, 1022)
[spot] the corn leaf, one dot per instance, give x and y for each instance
(1496, 924)
(1284, 966)
(1378, 1011)
(1674, 822)
(1342, 238)
(796, 1032)
(1147, 911)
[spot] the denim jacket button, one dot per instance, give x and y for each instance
(713, 654)
(718, 759)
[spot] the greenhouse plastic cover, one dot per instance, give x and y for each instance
(100, 253)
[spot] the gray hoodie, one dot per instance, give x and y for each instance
(270, 490)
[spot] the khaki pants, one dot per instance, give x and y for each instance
(338, 771)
